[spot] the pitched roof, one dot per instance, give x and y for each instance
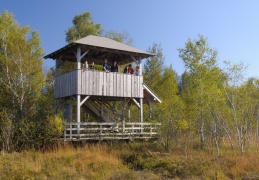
(100, 48)
(108, 43)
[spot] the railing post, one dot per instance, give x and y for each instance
(78, 100)
(151, 127)
(123, 126)
(70, 131)
(100, 133)
(141, 114)
(65, 132)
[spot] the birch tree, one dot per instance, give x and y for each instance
(21, 77)
(21, 66)
(201, 90)
(239, 95)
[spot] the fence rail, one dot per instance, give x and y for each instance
(108, 131)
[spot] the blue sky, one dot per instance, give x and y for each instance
(232, 27)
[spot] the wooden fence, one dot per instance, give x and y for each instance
(108, 131)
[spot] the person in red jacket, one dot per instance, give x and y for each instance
(131, 70)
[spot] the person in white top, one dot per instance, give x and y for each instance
(85, 66)
(137, 71)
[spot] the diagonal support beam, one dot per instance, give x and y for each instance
(136, 102)
(79, 56)
(85, 53)
(85, 99)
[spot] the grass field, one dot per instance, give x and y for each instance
(119, 160)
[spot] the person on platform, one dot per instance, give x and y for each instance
(114, 67)
(131, 70)
(137, 71)
(92, 66)
(85, 66)
(126, 70)
(106, 66)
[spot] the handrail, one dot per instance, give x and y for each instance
(106, 130)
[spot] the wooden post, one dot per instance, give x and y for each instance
(129, 115)
(78, 102)
(150, 108)
(78, 57)
(102, 108)
(141, 113)
(78, 115)
(56, 67)
(56, 74)
(56, 106)
(78, 97)
(140, 66)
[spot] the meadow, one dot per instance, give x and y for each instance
(134, 160)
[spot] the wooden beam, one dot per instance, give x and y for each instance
(136, 102)
(78, 59)
(85, 53)
(85, 99)
(78, 114)
(141, 113)
(78, 97)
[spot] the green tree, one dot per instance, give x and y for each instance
(120, 37)
(154, 67)
(21, 67)
(21, 78)
(152, 74)
(202, 86)
(171, 111)
(242, 98)
(164, 81)
(83, 25)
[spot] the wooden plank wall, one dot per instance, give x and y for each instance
(98, 83)
(65, 85)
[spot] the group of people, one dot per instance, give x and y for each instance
(114, 68)
(129, 70)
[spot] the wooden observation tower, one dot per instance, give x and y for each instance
(97, 92)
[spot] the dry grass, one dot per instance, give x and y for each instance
(89, 162)
(128, 161)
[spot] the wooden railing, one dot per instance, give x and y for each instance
(108, 131)
(98, 83)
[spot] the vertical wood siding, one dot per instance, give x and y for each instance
(98, 83)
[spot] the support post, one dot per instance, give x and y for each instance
(78, 57)
(140, 66)
(56, 106)
(56, 74)
(56, 67)
(150, 108)
(78, 117)
(129, 115)
(141, 113)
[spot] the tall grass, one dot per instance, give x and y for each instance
(128, 161)
(88, 162)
